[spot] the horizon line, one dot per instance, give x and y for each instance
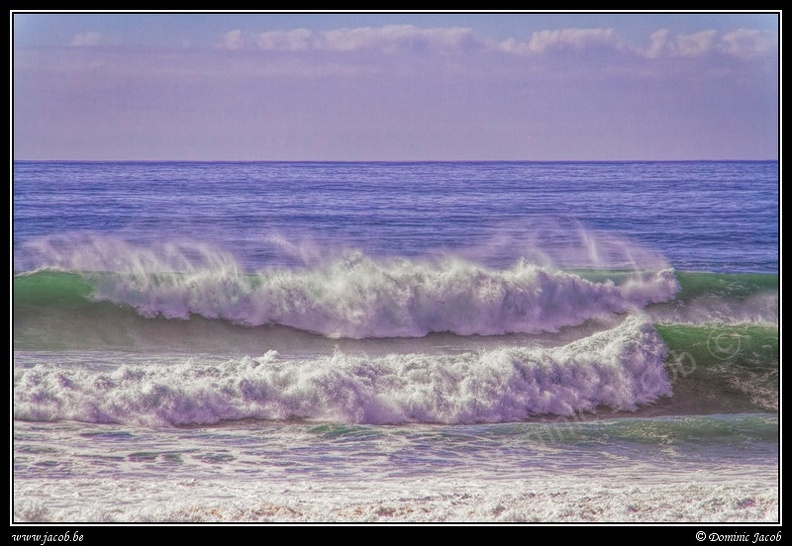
(391, 160)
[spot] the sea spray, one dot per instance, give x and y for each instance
(354, 295)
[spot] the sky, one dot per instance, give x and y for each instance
(395, 87)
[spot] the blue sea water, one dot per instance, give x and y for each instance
(396, 341)
(701, 216)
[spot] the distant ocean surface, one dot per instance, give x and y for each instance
(370, 342)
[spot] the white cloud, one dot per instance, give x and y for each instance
(391, 39)
(660, 43)
(748, 43)
(681, 45)
(695, 45)
(394, 38)
(387, 39)
(574, 38)
(233, 39)
(293, 40)
(743, 43)
(86, 39)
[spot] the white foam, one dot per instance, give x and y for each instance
(683, 495)
(357, 297)
(621, 368)
(354, 295)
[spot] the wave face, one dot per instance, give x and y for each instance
(724, 367)
(356, 296)
(619, 368)
(722, 298)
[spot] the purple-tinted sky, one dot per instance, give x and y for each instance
(228, 86)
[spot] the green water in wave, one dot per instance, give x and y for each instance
(724, 285)
(50, 288)
(725, 368)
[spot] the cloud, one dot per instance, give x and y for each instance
(660, 44)
(694, 45)
(387, 39)
(293, 40)
(392, 39)
(742, 43)
(233, 40)
(396, 37)
(747, 43)
(681, 45)
(571, 38)
(86, 39)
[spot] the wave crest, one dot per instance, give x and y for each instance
(352, 295)
(621, 368)
(359, 297)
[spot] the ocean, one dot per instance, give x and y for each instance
(469, 342)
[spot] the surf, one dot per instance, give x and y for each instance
(355, 296)
(620, 368)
